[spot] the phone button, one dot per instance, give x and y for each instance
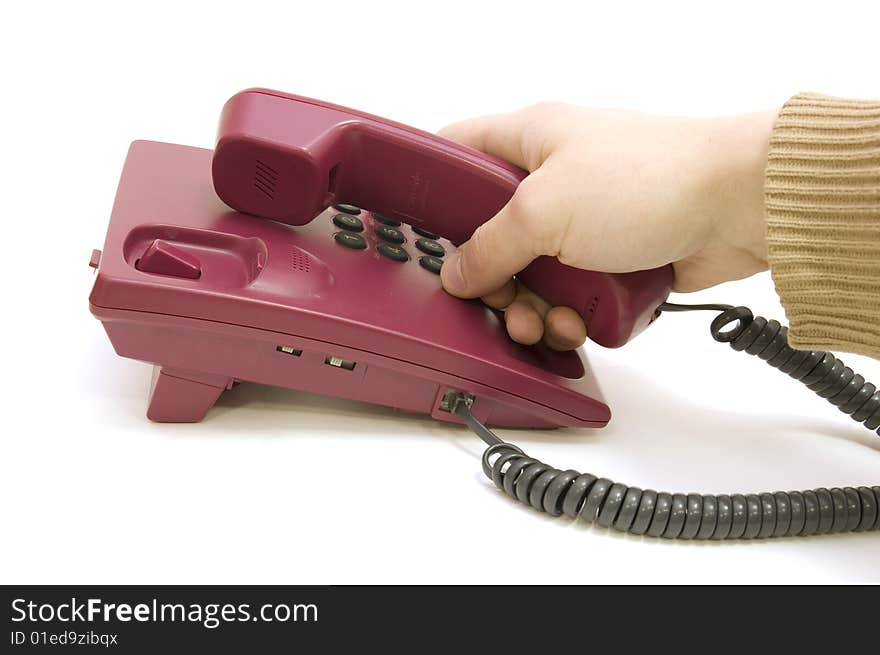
(385, 220)
(347, 222)
(431, 263)
(430, 247)
(348, 209)
(423, 232)
(391, 234)
(350, 240)
(164, 258)
(393, 252)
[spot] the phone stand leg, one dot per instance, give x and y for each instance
(183, 396)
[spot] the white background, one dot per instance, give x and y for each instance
(261, 491)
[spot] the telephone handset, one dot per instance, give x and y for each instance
(287, 158)
(348, 303)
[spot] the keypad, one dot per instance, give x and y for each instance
(391, 237)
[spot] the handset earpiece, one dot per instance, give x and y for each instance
(287, 158)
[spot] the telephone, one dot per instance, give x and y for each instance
(339, 294)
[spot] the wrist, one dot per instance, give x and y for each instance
(737, 151)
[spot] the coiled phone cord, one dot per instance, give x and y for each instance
(701, 516)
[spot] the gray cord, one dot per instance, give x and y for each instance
(699, 516)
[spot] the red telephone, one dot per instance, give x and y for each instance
(339, 294)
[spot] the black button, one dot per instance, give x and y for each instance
(396, 253)
(348, 209)
(350, 240)
(347, 222)
(431, 263)
(385, 220)
(430, 247)
(423, 232)
(391, 234)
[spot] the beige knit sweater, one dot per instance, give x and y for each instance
(822, 192)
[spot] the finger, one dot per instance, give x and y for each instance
(524, 317)
(564, 329)
(524, 323)
(515, 137)
(505, 244)
(536, 302)
(501, 298)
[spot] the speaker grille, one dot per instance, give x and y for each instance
(300, 261)
(265, 179)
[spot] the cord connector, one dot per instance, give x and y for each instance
(453, 398)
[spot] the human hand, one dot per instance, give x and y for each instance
(613, 191)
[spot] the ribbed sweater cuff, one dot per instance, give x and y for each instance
(822, 193)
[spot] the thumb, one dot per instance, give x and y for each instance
(508, 242)
(500, 247)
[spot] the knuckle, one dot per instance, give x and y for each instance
(538, 132)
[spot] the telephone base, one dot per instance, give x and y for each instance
(212, 296)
